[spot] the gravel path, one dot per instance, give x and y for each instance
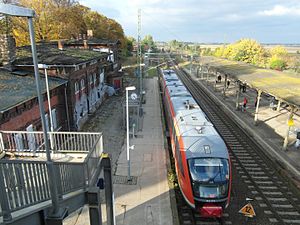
(108, 120)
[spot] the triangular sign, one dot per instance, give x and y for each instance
(248, 210)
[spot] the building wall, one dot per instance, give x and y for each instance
(28, 113)
(86, 92)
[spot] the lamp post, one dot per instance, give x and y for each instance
(131, 88)
(45, 67)
(17, 11)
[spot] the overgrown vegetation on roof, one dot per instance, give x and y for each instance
(50, 54)
(15, 89)
(283, 85)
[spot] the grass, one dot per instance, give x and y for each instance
(129, 61)
(152, 72)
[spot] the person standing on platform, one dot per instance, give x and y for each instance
(228, 83)
(245, 104)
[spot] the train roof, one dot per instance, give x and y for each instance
(205, 146)
(178, 91)
(174, 83)
(198, 133)
(170, 76)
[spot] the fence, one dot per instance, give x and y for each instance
(60, 142)
(26, 183)
(22, 184)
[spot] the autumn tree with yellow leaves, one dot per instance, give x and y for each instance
(252, 52)
(62, 19)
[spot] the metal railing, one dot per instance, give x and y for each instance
(24, 183)
(33, 142)
(71, 177)
(92, 161)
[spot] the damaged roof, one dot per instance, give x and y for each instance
(49, 54)
(283, 85)
(19, 86)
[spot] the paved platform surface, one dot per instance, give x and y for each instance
(148, 201)
(271, 127)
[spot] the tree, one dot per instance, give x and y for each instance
(97, 23)
(129, 44)
(64, 19)
(279, 58)
(53, 21)
(148, 43)
(278, 51)
(246, 50)
(219, 51)
(249, 51)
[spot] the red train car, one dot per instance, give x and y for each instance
(201, 157)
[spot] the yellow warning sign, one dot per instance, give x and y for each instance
(248, 210)
(290, 122)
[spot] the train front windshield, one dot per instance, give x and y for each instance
(210, 177)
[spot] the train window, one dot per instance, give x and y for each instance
(209, 169)
(210, 177)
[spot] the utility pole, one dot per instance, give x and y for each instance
(139, 56)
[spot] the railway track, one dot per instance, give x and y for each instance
(254, 176)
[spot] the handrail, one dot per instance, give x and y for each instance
(24, 183)
(33, 141)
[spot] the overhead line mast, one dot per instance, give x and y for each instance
(139, 56)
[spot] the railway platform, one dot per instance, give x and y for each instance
(269, 131)
(146, 198)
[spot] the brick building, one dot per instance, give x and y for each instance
(18, 95)
(19, 109)
(77, 77)
(83, 69)
(112, 47)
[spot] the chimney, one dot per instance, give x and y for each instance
(7, 51)
(89, 34)
(85, 44)
(60, 45)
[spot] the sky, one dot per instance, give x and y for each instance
(206, 21)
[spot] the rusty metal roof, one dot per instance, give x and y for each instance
(19, 86)
(282, 85)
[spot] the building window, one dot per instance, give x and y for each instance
(54, 118)
(91, 79)
(82, 84)
(94, 78)
(76, 87)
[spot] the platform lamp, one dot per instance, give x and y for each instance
(45, 67)
(131, 88)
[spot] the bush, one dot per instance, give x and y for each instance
(277, 64)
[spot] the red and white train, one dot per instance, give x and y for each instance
(201, 157)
